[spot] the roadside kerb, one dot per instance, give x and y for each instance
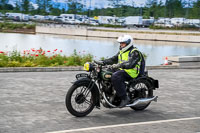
(79, 68)
(40, 69)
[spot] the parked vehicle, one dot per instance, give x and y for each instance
(38, 18)
(197, 25)
(93, 22)
(52, 17)
(17, 16)
(71, 18)
(178, 21)
(106, 20)
(162, 20)
(133, 21)
(12, 15)
(80, 17)
(59, 19)
(168, 25)
(192, 21)
(77, 21)
(147, 22)
(120, 21)
(46, 18)
(1, 16)
(89, 90)
(68, 16)
(67, 21)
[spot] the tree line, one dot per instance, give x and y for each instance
(152, 8)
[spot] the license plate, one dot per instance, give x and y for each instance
(81, 75)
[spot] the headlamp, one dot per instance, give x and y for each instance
(88, 67)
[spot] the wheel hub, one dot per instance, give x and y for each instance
(80, 98)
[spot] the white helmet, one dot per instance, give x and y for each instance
(126, 39)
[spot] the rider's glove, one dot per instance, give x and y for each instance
(115, 66)
(99, 62)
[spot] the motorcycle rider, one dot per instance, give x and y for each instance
(129, 63)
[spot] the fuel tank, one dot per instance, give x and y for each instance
(106, 75)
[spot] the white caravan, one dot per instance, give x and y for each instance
(133, 21)
(68, 16)
(177, 21)
(107, 20)
(162, 20)
(17, 16)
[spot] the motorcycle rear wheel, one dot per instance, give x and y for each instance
(78, 103)
(142, 84)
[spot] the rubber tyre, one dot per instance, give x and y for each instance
(69, 104)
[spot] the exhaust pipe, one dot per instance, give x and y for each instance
(143, 101)
(138, 102)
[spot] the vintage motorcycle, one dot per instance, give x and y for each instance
(91, 89)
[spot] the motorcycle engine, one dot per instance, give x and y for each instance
(107, 87)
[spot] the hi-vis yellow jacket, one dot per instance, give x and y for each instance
(124, 57)
(130, 61)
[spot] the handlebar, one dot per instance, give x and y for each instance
(95, 64)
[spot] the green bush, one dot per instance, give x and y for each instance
(28, 63)
(14, 64)
(3, 60)
(30, 26)
(3, 63)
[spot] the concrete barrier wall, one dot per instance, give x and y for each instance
(184, 60)
(62, 31)
(88, 32)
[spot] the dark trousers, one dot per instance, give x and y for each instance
(118, 80)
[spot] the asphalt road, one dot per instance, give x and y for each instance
(33, 102)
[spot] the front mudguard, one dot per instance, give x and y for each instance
(94, 89)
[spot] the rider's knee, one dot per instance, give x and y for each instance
(115, 77)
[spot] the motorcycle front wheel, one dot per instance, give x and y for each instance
(79, 100)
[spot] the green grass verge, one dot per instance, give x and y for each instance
(13, 26)
(183, 27)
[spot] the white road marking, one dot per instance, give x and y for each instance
(124, 125)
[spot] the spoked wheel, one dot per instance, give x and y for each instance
(143, 91)
(79, 100)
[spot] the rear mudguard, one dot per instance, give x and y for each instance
(94, 90)
(153, 83)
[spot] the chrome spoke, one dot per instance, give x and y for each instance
(88, 102)
(81, 99)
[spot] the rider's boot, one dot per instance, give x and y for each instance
(124, 102)
(112, 98)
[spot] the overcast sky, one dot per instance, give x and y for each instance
(94, 3)
(105, 3)
(97, 3)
